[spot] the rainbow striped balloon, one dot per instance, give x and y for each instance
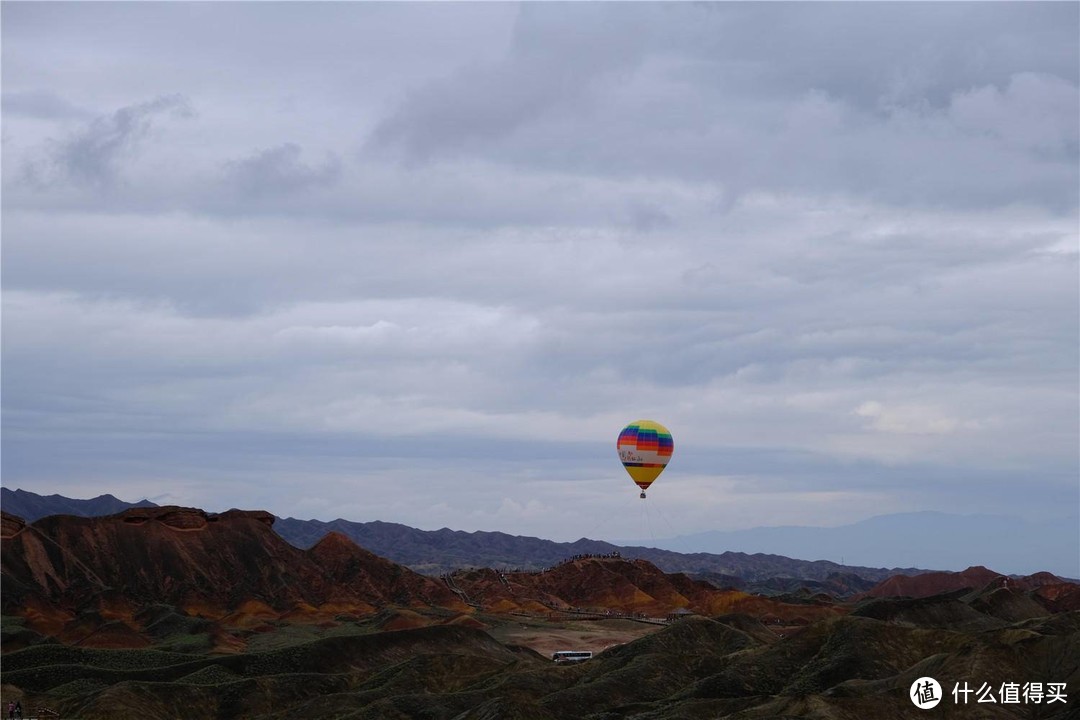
(645, 448)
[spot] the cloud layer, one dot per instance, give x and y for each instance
(421, 263)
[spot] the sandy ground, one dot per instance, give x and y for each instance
(547, 637)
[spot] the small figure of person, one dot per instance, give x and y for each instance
(18, 709)
(11, 710)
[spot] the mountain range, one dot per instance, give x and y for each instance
(439, 551)
(758, 559)
(31, 506)
(435, 552)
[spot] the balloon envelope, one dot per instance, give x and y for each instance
(645, 447)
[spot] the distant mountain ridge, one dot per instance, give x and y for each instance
(438, 551)
(31, 506)
(434, 552)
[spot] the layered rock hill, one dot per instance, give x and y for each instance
(934, 583)
(207, 564)
(632, 587)
(1014, 598)
(74, 578)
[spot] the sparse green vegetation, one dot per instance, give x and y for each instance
(82, 686)
(210, 675)
(285, 635)
(51, 655)
(186, 644)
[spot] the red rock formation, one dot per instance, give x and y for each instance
(10, 525)
(1058, 597)
(933, 583)
(1042, 578)
(976, 578)
(355, 572)
(602, 584)
(217, 566)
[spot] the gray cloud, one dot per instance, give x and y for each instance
(552, 68)
(92, 155)
(279, 171)
(660, 100)
(42, 105)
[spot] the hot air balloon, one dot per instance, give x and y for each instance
(644, 447)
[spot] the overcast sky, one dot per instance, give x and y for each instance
(420, 263)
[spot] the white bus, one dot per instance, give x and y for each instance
(571, 656)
